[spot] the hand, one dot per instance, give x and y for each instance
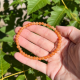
(65, 64)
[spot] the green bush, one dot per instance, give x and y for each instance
(54, 12)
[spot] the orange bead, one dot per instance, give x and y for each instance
(25, 55)
(34, 58)
(59, 44)
(24, 26)
(55, 51)
(18, 46)
(47, 25)
(31, 57)
(33, 23)
(39, 23)
(20, 49)
(45, 57)
(39, 58)
(17, 41)
(28, 56)
(29, 24)
(17, 35)
(52, 53)
(36, 23)
(20, 31)
(42, 58)
(42, 23)
(59, 41)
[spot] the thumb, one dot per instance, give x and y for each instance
(70, 32)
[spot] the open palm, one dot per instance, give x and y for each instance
(65, 64)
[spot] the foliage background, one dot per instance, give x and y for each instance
(54, 12)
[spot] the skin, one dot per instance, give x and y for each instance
(65, 64)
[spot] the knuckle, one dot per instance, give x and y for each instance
(26, 22)
(40, 42)
(38, 51)
(46, 33)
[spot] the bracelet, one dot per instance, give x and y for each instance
(33, 57)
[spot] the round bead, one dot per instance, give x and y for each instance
(39, 23)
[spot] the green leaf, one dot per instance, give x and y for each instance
(30, 71)
(21, 77)
(7, 18)
(3, 29)
(7, 39)
(16, 2)
(13, 53)
(11, 33)
(75, 19)
(4, 65)
(2, 16)
(34, 5)
(73, 23)
(68, 11)
(10, 44)
(47, 78)
(1, 45)
(46, 12)
(77, 1)
(56, 15)
(75, 14)
(56, 1)
(17, 69)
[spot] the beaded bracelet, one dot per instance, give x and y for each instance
(33, 57)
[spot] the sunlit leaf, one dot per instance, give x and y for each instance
(75, 19)
(47, 78)
(56, 1)
(7, 18)
(13, 53)
(68, 11)
(73, 23)
(11, 33)
(3, 29)
(17, 69)
(21, 77)
(7, 39)
(34, 5)
(4, 65)
(30, 71)
(16, 2)
(56, 15)
(77, 1)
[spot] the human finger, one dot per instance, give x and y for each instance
(70, 32)
(38, 65)
(36, 39)
(43, 31)
(36, 50)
